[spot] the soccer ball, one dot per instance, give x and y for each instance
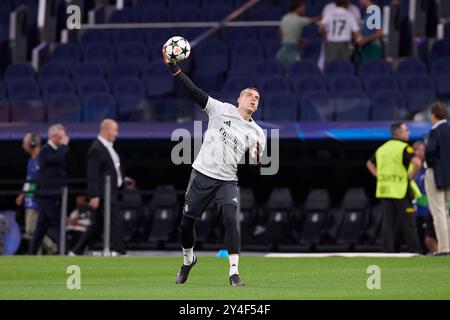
(177, 49)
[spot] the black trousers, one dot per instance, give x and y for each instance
(49, 217)
(96, 227)
(399, 218)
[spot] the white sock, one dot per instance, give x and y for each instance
(234, 261)
(188, 256)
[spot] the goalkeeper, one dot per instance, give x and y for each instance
(231, 132)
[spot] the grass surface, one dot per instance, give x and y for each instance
(266, 278)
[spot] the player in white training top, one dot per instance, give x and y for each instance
(231, 132)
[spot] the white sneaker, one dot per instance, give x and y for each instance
(72, 254)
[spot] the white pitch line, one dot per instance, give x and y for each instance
(346, 254)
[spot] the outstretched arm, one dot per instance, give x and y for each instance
(195, 92)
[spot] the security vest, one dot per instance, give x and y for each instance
(392, 176)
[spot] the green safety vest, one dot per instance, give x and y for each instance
(392, 176)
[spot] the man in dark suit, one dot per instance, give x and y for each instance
(51, 179)
(437, 176)
(104, 161)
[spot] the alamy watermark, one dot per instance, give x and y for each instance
(374, 280)
(73, 281)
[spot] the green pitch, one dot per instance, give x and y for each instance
(266, 278)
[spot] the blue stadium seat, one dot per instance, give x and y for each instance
(191, 33)
(388, 105)
(126, 15)
(234, 85)
(234, 35)
(95, 36)
(122, 36)
(271, 48)
(266, 13)
(155, 15)
(352, 106)
(419, 90)
(410, 66)
(134, 53)
(308, 84)
(164, 109)
(344, 83)
(52, 71)
(273, 84)
(99, 53)
(267, 68)
(157, 79)
(187, 13)
(302, 68)
(129, 94)
(317, 106)
(218, 12)
(98, 107)
(90, 87)
(154, 4)
(23, 89)
(4, 111)
(245, 55)
(311, 50)
(214, 54)
(440, 49)
(87, 71)
(377, 83)
(440, 73)
(157, 37)
(280, 106)
(338, 68)
(311, 32)
(63, 108)
(121, 71)
(207, 81)
(57, 87)
(2, 91)
(268, 33)
(372, 67)
(67, 54)
(18, 71)
(182, 3)
(27, 110)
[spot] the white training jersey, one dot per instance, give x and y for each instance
(226, 140)
(339, 24)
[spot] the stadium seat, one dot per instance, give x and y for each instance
(129, 94)
(268, 68)
(2, 91)
(208, 227)
(311, 32)
(208, 82)
(373, 233)
(419, 90)
(271, 48)
(131, 212)
(278, 211)
(134, 53)
(87, 71)
(233, 85)
(57, 87)
(375, 84)
(307, 84)
(27, 110)
(155, 15)
(266, 13)
(4, 111)
(157, 79)
(122, 36)
(247, 215)
(352, 106)
(339, 68)
(161, 220)
(18, 71)
(315, 214)
(67, 54)
(182, 3)
(52, 71)
(440, 73)
(280, 106)
(23, 89)
(440, 49)
(343, 83)
(373, 67)
(218, 12)
(99, 53)
(92, 87)
(234, 35)
(311, 50)
(97, 107)
(214, 54)
(187, 13)
(317, 106)
(126, 15)
(268, 33)
(273, 84)
(157, 37)
(63, 108)
(95, 36)
(388, 105)
(154, 4)
(122, 70)
(410, 66)
(303, 68)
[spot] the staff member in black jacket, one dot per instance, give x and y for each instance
(51, 179)
(104, 161)
(437, 175)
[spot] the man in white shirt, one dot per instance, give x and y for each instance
(339, 26)
(231, 132)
